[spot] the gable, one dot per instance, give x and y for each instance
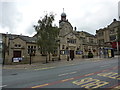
(71, 35)
(114, 24)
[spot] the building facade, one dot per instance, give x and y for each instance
(19, 48)
(108, 36)
(72, 44)
(75, 43)
(1, 49)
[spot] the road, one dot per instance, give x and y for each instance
(85, 74)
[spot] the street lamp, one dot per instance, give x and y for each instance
(67, 53)
(59, 49)
(32, 53)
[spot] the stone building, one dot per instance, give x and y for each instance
(75, 43)
(107, 37)
(19, 48)
(72, 44)
(89, 43)
(0, 48)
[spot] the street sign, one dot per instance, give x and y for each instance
(17, 59)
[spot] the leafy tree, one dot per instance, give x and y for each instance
(46, 35)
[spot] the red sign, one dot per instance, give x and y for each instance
(114, 44)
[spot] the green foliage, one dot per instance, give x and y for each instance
(46, 34)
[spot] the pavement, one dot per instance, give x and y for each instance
(52, 63)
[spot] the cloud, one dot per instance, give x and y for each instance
(10, 16)
(88, 15)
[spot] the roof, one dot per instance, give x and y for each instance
(63, 14)
(88, 34)
(28, 39)
(25, 38)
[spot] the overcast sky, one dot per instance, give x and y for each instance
(19, 16)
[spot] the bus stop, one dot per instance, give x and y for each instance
(108, 52)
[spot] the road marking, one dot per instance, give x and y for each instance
(116, 88)
(67, 73)
(111, 75)
(61, 81)
(67, 79)
(105, 66)
(71, 64)
(3, 86)
(105, 70)
(90, 83)
(89, 74)
(44, 68)
(96, 61)
(40, 86)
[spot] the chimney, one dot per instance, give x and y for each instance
(75, 28)
(114, 20)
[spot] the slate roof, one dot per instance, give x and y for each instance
(25, 38)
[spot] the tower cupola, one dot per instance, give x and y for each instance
(63, 16)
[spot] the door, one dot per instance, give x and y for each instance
(16, 54)
(71, 54)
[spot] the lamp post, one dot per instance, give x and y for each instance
(32, 52)
(59, 49)
(67, 53)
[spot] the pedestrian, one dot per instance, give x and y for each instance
(72, 56)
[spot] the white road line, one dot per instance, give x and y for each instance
(3, 86)
(67, 73)
(44, 68)
(104, 65)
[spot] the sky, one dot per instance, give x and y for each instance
(19, 16)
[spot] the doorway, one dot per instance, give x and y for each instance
(72, 54)
(16, 54)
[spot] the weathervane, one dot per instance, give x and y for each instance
(63, 9)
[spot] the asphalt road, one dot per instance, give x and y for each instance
(85, 74)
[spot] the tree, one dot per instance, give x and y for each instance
(46, 35)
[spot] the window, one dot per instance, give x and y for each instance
(101, 41)
(113, 37)
(63, 46)
(73, 41)
(28, 49)
(17, 45)
(31, 49)
(112, 31)
(100, 34)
